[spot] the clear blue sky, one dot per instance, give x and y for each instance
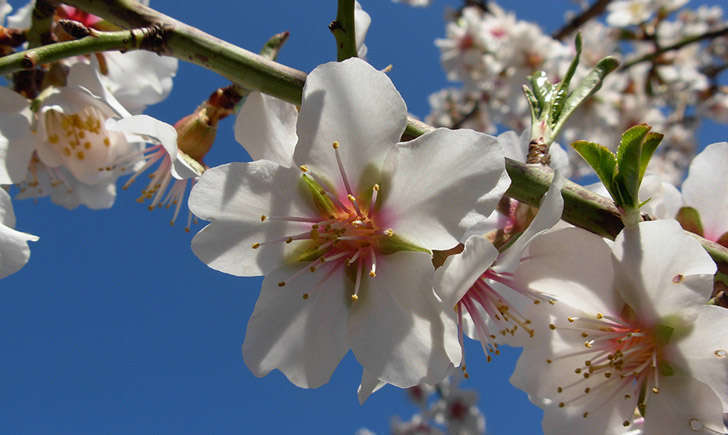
(115, 327)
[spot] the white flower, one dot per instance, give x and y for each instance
(362, 20)
(704, 189)
(630, 333)
(623, 13)
(14, 250)
(479, 282)
(416, 3)
(138, 78)
(344, 237)
(16, 140)
(458, 411)
(5, 9)
(81, 129)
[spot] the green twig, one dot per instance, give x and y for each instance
(123, 40)
(343, 29)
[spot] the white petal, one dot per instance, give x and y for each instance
(14, 250)
(395, 328)
(303, 338)
(436, 180)
(684, 406)
(266, 128)
(235, 197)
(369, 385)
(558, 266)
(243, 192)
(704, 351)
(7, 215)
(16, 139)
(514, 146)
(664, 198)
(152, 130)
(21, 18)
(362, 20)
(705, 189)
(86, 78)
(139, 78)
(356, 105)
(661, 270)
(549, 213)
(455, 277)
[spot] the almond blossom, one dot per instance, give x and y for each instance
(81, 135)
(704, 190)
(344, 235)
(631, 341)
(14, 250)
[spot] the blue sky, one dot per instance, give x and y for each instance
(115, 327)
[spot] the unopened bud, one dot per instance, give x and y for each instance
(196, 133)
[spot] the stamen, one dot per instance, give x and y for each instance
(372, 255)
(373, 201)
(341, 169)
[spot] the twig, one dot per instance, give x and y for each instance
(676, 46)
(343, 29)
(575, 23)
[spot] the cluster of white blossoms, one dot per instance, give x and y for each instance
(492, 53)
(398, 250)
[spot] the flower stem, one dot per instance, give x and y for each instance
(343, 29)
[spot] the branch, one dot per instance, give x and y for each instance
(676, 46)
(343, 29)
(581, 207)
(596, 9)
(187, 43)
(123, 40)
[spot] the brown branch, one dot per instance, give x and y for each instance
(676, 46)
(575, 23)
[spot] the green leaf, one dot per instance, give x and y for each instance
(541, 90)
(533, 103)
(562, 92)
(584, 89)
(601, 160)
(689, 219)
(652, 140)
(629, 161)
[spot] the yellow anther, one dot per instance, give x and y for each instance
(372, 274)
(303, 168)
(600, 316)
(336, 145)
(305, 296)
(552, 326)
(107, 141)
(281, 284)
(354, 297)
(289, 240)
(571, 319)
(80, 155)
(376, 187)
(389, 232)
(655, 390)
(256, 245)
(263, 218)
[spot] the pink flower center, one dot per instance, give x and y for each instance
(345, 236)
(620, 362)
